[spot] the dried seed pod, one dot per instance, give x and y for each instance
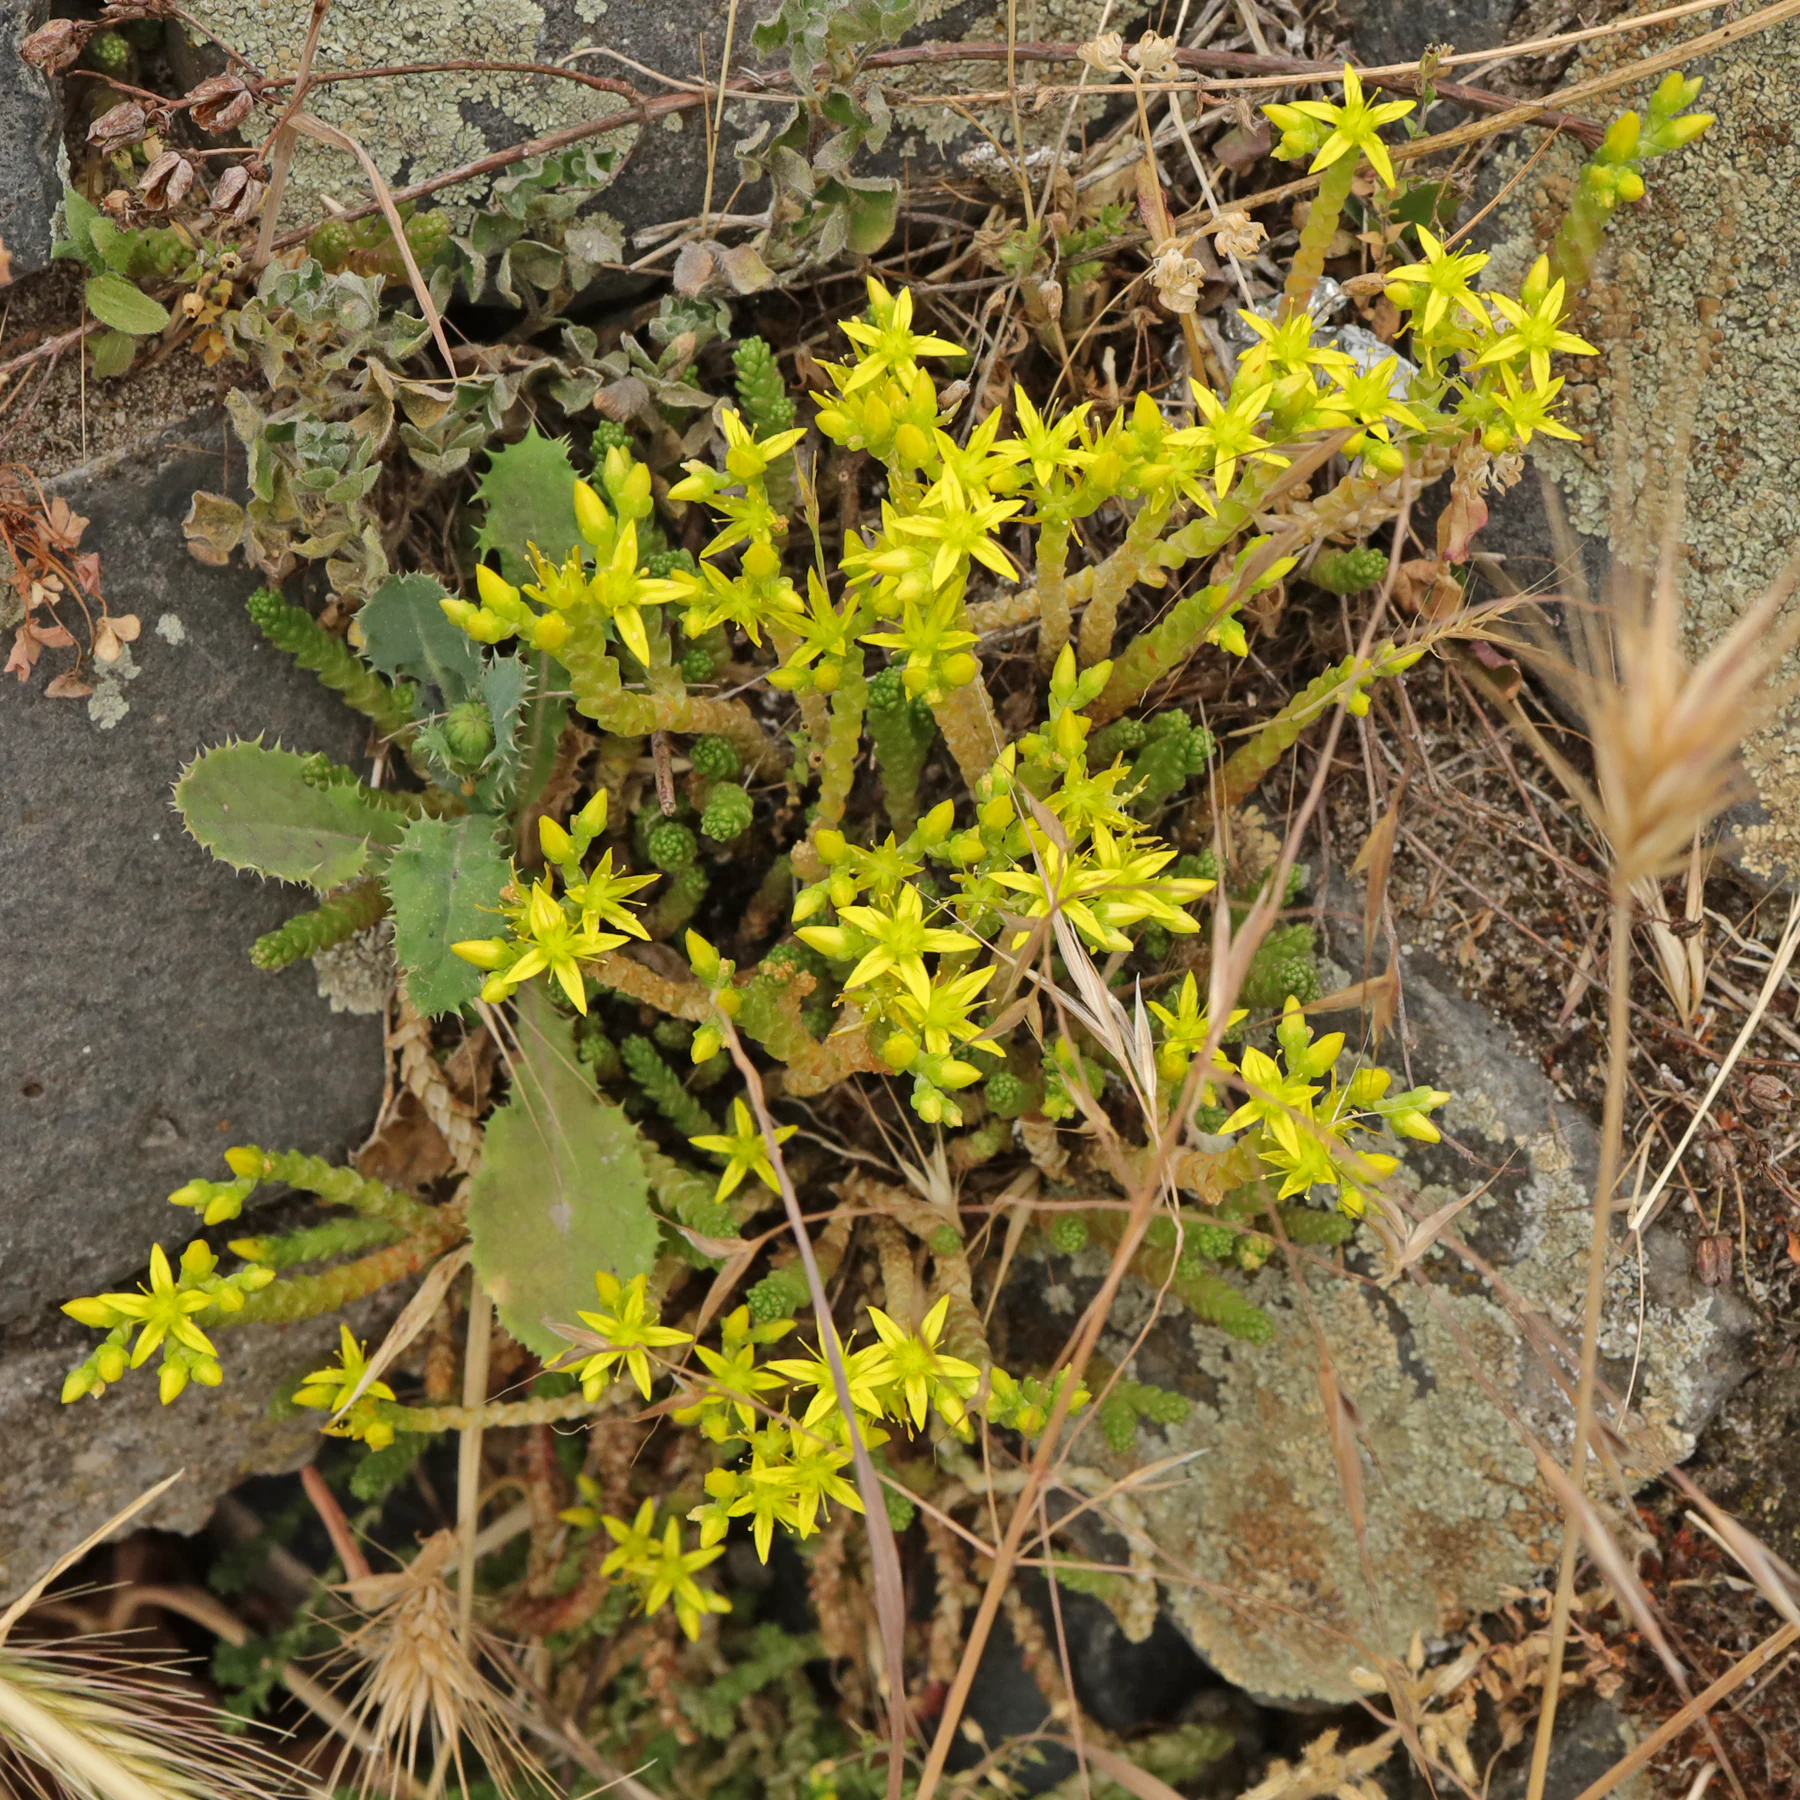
(1712, 1259)
(1767, 1093)
(56, 46)
(126, 123)
(237, 192)
(166, 182)
(221, 103)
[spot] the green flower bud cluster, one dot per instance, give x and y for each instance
(1349, 571)
(609, 434)
(670, 846)
(716, 758)
(1024, 1403)
(1285, 963)
(727, 813)
(108, 52)
(779, 1295)
(368, 244)
(1068, 1234)
(468, 736)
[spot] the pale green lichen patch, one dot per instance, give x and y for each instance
(413, 126)
(1263, 1569)
(1698, 292)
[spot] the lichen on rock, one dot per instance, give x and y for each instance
(1260, 1558)
(415, 126)
(1695, 306)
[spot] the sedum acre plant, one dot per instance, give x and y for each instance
(598, 726)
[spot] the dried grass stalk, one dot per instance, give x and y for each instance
(424, 1682)
(1665, 736)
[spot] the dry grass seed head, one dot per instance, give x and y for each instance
(421, 1673)
(85, 1721)
(1665, 732)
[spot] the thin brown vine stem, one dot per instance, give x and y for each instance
(884, 1553)
(1618, 1044)
(1533, 112)
(606, 84)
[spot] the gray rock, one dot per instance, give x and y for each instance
(136, 1040)
(71, 1468)
(1711, 254)
(420, 126)
(30, 132)
(1278, 1600)
(1399, 31)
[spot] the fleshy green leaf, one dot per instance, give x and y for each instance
(562, 1189)
(445, 883)
(529, 494)
(406, 636)
(253, 809)
(117, 302)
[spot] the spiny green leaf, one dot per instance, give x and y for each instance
(506, 687)
(405, 634)
(562, 1189)
(253, 808)
(445, 883)
(529, 494)
(117, 302)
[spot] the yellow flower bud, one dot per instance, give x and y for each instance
(91, 1311)
(558, 846)
(495, 591)
(592, 519)
(484, 953)
(550, 632)
(911, 446)
(247, 1162)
